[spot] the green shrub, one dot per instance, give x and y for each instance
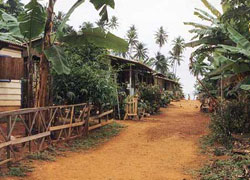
(232, 118)
(166, 98)
(150, 97)
(91, 78)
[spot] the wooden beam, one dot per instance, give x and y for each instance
(5, 161)
(105, 113)
(100, 125)
(25, 139)
(30, 138)
(55, 128)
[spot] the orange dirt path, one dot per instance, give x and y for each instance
(161, 147)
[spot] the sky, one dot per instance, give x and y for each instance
(147, 16)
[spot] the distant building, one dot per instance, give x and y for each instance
(131, 72)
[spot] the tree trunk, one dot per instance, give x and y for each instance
(42, 91)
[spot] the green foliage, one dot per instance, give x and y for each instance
(43, 156)
(161, 63)
(32, 21)
(230, 119)
(19, 171)
(98, 37)
(151, 96)
(56, 56)
(232, 168)
(166, 98)
(30, 24)
(90, 80)
(13, 7)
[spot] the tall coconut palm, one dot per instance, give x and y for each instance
(176, 52)
(161, 63)
(87, 25)
(113, 23)
(161, 37)
(141, 52)
(132, 39)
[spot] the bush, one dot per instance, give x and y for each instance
(149, 97)
(91, 79)
(166, 98)
(232, 118)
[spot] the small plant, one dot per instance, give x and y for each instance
(44, 156)
(236, 167)
(19, 171)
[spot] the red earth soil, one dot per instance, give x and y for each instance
(161, 147)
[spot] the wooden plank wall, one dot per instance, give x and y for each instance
(10, 95)
(11, 68)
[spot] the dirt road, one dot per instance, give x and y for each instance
(163, 147)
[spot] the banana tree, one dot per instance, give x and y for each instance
(35, 22)
(235, 60)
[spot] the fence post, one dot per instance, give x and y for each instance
(86, 128)
(8, 138)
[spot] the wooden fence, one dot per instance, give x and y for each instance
(30, 130)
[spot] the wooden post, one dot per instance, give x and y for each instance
(86, 125)
(130, 80)
(9, 138)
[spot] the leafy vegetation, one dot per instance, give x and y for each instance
(232, 168)
(221, 64)
(149, 97)
(35, 20)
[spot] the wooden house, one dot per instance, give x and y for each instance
(130, 73)
(11, 73)
(164, 83)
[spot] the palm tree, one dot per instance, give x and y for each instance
(101, 24)
(161, 63)
(141, 52)
(87, 25)
(176, 52)
(113, 24)
(161, 37)
(132, 39)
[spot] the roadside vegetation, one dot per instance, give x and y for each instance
(221, 64)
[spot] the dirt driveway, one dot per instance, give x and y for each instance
(163, 147)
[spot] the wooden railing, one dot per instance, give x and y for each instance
(30, 130)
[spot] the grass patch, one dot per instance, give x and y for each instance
(96, 137)
(18, 170)
(235, 168)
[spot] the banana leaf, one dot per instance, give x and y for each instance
(212, 8)
(240, 40)
(98, 37)
(67, 16)
(55, 54)
(32, 21)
